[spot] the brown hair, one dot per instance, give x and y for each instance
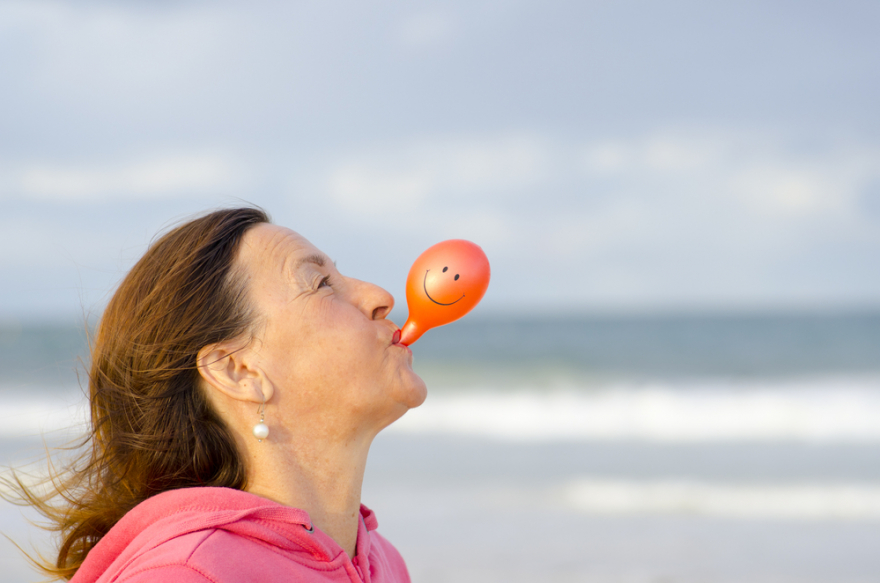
(152, 428)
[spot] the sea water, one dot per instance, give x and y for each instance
(677, 447)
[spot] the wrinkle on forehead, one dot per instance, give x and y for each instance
(272, 248)
(265, 241)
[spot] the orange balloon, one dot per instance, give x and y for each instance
(444, 284)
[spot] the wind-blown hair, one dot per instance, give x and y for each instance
(152, 428)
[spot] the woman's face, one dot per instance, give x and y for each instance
(324, 343)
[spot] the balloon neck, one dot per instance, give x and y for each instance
(410, 333)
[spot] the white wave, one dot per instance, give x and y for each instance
(842, 410)
(808, 501)
(816, 411)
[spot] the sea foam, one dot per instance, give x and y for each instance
(750, 501)
(819, 410)
(842, 410)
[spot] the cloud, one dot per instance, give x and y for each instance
(162, 175)
(762, 175)
(29, 241)
(672, 215)
(94, 50)
(410, 176)
(724, 176)
(543, 148)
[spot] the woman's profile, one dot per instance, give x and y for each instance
(236, 382)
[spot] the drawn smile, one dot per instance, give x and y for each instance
(425, 285)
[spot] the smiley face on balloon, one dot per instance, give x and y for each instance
(444, 284)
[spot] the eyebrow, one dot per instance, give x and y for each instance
(316, 259)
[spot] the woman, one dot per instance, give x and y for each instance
(237, 381)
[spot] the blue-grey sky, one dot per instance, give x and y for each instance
(606, 155)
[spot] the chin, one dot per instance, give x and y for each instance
(418, 395)
(407, 397)
(416, 391)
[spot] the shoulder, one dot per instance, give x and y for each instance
(389, 557)
(385, 548)
(220, 556)
(170, 561)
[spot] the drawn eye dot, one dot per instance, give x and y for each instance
(456, 277)
(444, 269)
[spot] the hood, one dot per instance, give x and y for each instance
(178, 512)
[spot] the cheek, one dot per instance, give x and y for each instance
(340, 350)
(327, 351)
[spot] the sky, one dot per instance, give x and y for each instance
(606, 155)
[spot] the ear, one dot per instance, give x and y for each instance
(234, 370)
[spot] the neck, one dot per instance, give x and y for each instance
(322, 477)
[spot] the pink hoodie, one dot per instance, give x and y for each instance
(220, 535)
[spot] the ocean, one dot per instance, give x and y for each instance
(689, 447)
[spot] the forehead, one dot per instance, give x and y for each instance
(272, 249)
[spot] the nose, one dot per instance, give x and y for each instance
(373, 301)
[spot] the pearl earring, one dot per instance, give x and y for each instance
(261, 430)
